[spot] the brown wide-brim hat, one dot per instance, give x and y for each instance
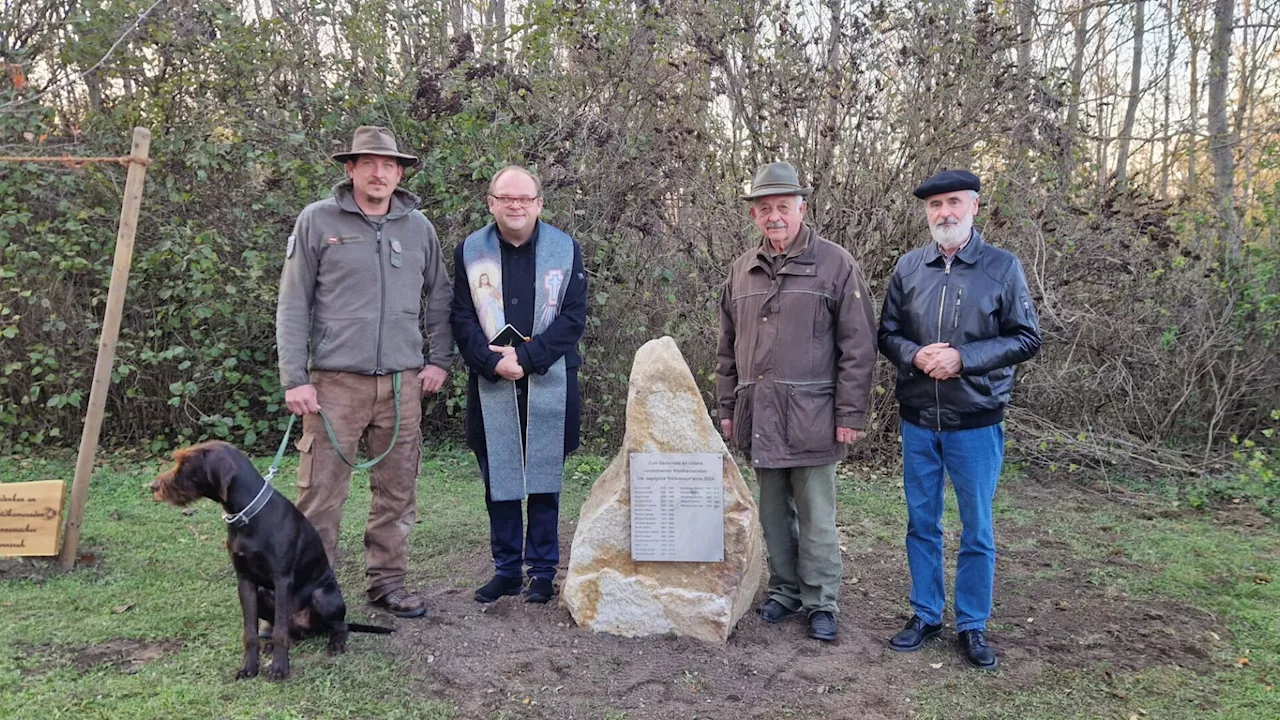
(778, 178)
(374, 140)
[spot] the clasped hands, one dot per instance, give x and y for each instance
(509, 366)
(939, 361)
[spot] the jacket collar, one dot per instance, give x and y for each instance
(801, 250)
(968, 254)
(403, 202)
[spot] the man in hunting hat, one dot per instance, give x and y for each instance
(356, 343)
(793, 376)
(957, 318)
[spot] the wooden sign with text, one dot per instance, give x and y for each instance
(30, 518)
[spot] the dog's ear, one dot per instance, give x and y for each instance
(219, 468)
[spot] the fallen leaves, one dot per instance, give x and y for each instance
(121, 609)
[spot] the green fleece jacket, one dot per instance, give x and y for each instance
(351, 293)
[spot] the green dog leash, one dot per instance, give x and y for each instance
(333, 437)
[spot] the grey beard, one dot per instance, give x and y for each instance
(950, 237)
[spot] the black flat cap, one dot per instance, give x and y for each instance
(948, 181)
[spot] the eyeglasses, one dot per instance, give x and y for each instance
(508, 199)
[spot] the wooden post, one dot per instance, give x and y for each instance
(106, 343)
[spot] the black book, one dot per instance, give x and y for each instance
(508, 336)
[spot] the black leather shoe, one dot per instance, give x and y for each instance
(822, 626)
(497, 587)
(973, 643)
(775, 612)
(913, 635)
(540, 590)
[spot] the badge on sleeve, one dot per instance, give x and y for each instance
(288, 250)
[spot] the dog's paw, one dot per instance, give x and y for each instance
(337, 647)
(247, 672)
(277, 673)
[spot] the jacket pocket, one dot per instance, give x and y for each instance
(402, 342)
(981, 383)
(811, 418)
(742, 416)
(319, 338)
(345, 344)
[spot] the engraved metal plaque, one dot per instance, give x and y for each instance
(677, 507)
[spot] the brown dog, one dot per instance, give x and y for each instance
(284, 576)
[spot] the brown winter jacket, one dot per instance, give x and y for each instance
(797, 352)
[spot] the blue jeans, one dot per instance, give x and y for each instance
(972, 458)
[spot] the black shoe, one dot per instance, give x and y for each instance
(822, 626)
(497, 587)
(913, 635)
(973, 643)
(540, 590)
(775, 612)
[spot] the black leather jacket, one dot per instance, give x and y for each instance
(980, 305)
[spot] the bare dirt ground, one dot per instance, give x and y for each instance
(520, 660)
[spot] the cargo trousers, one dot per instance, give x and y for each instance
(362, 408)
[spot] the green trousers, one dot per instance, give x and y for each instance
(798, 515)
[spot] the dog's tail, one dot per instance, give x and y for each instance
(375, 629)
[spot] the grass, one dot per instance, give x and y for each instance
(163, 577)
(162, 580)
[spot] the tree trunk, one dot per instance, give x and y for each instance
(829, 120)
(1166, 131)
(456, 19)
(94, 84)
(1135, 94)
(1193, 129)
(1221, 142)
(1073, 108)
(1105, 109)
(499, 23)
(1026, 33)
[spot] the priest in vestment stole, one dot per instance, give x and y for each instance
(519, 309)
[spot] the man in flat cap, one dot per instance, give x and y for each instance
(957, 317)
(350, 331)
(793, 376)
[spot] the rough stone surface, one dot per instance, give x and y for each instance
(609, 592)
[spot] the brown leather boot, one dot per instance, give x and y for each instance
(402, 603)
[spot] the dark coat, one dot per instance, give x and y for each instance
(980, 305)
(537, 355)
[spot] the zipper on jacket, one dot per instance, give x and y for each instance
(942, 305)
(955, 321)
(382, 299)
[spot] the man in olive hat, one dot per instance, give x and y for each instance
(957, 318)
(350, 334)
(793, 376)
